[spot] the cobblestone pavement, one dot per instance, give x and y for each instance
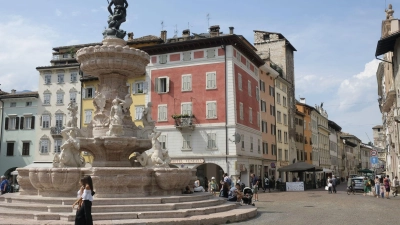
(318, 207)
(309, 208)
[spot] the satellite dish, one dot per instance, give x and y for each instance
(237, 138)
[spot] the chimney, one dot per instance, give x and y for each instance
(186, 34)
(214, 31)
(13, 91)
(130, 36)
(303, 100)
(164, 36)
(231, 30)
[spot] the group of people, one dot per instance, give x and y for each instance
(382, 186)
(331, 184)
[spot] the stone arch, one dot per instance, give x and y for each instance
(208, 170)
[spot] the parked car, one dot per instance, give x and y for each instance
(359, 183)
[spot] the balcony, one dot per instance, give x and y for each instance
(388, 101)
(56, 131)
(184, 121)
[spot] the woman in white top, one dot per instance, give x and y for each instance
(84, 202)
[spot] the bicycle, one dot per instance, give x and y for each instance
(350, 189)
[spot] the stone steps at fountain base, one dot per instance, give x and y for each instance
(114, 208)
(236, 215)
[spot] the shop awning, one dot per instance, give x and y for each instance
(299, 167)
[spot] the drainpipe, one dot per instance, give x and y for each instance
(80, 119)
(2, 119)
(226, 111)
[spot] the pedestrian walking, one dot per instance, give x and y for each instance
(334, 182)
(267, 184)
(377, 187)
(386, 183)
(255, 183)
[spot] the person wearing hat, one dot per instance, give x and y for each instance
(213, 185)
(4, 184)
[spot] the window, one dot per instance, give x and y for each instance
(13, 104)
(59, 120)
(211, 80)
(45, 121)
(273, 129)
(251, 144)
(139, 87)
(257, 94)
(212, 139)
(25, 148)
(163, 59)
(11, 123)
(28, 122)
(44, 146)
(271, 91)
(88, 116)
(249, 87)
(47, 79)
(186, 142)
(284, 101)
(28, 104)
(10, 148)
(88, 92)
(242, 139)
(272, 110)
(265, 148)
(285, 137)
(161, 85)
(186, 108)
(286, 155)
(139, 112)
(60, 78)
(278, 98)
(186, 82)
(264, 127)
(250, 115)
(247, 64)
(259, 147)
(285, 119)
(74, 77)
(280, 154)
(163, 141)
(279, 136)
(210, 53)
(240, 81)
(211, 110)
(57, 145)
(258, 119)
(238, 56)
(60, 98)
(72, 97)
(279, 117)
(46, 99)
(263, 106)
(241, 110)
(162, 113)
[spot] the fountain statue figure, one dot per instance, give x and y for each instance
(116, 18)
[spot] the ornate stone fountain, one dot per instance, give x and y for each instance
(114, 137)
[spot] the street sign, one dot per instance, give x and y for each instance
(374, 152)
(374, 160)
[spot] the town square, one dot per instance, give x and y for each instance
(227, 112)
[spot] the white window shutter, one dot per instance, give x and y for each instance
(145, 87)
(84, 93)
(156, 83)
(167, 88)
(134, 88)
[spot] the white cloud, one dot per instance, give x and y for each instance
(24, 47)
(75, 13)
(315, 84)
(359, 88)
(58, 12)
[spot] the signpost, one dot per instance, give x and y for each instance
(374, 160)
(373, 153)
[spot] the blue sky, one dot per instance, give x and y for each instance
(335, 41)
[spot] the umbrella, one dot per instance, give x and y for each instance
(365, 171)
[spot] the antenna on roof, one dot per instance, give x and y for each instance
(176, 31)
(208, 21)
(162, 25)
(368, 137)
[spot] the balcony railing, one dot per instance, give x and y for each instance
(56, 131)
(184, 121)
